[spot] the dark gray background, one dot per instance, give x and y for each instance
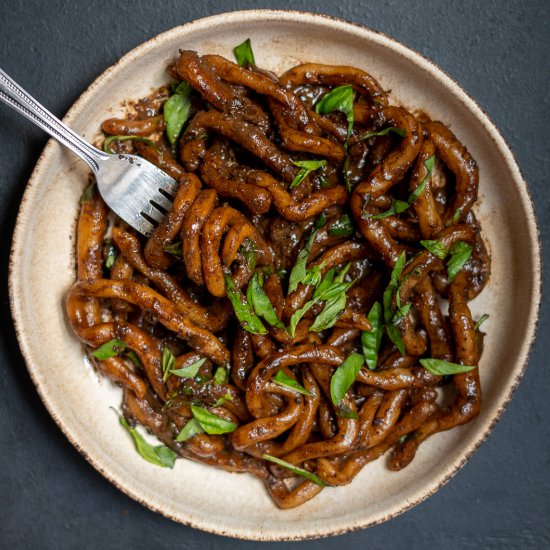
(50, 497)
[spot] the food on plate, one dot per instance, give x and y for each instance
(289, 317)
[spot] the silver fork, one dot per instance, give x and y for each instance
(134, 188)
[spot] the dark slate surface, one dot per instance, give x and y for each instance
(498, 51)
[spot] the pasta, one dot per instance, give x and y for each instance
(288, 318)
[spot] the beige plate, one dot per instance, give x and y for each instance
(231, 504)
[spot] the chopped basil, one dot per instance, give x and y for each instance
(109, 349)
(244, 54)
(260, 301)
(481, 320)
(175, 249)
(219, 402)
(160, 455)
(306, 167)
(330, 313)
(338, 99)
(211, 423)
(110, 254)
(168, 363)
(436, 248)
(189, 430)
(343, 411)
(298, 471)
(442, 368)
(190, 371)
(393, 285)
(399, 131)
(299, 271)
(314, 275)
(220, 376)
(110, 139)
(132, 355)
(400, 314)
(297, 316)
(243, 310)
(283, 379)
(395, 336)
(371, 340)
(344, 376)
(460, 254)
(342, 227)
(87, 194)
(250, 252)
(176, 111)
(456, 216)
(399, 206)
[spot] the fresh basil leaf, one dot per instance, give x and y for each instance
(321, 220)
(481, 320)
(343, 411)
(132, 355)
(168, 363)
(176, 111)
(306, 167)
(261, 303)
(283, 379)
(395, 336)
(338, 99)
(344, 376)
(298, 272)
(399, 131)
(435, 248)
(244, 54)
(250, 252)
(87, 194)
(460, 254)
(294, 469)
(175, 249)
(211, 423)
(313, 275)
(189, 430)
(110, 139)
(190, 371)
(110, 254)
(429, 165)
(400, 314)
(109, 349)
(342, 227)
(330, 313)
(219, 402)
(243, 311)
(339, 277)
(393, 285)
(297, 316)
(371, 340)
(456, 216)
(220, 376)
(443, 368)
(159, 455)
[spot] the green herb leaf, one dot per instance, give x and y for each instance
(344, 376)
(110, 254)
(298, 272)
(168, 363)
(429, 165)
(297, 316)
(132, 355)
(298, 471)
(400, 314)
(342, 227)
(436, 248)
(219, 402)
(159, 455)
(314, 275)
(343, 411)
(220, 376)
(211, 423)
(244, 54)
(176, 111)
(109, 349)
(175, 249)
(250, 252)
(243, 310)
(189, 430)
(261, 303)
(190, 371)
(338, 99)
(460, 254)
(395, 336)
(330, 313)
(481, 320)
(393, 285)
(306, 167)
(399, 131)
(456, 216)
(283, 379)
(110, 139)
(371, 340)
(442, 368)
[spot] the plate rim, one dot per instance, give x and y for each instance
(265, 15)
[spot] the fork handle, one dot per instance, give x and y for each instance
(16, 97)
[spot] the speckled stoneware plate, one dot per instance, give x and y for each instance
(233, 504)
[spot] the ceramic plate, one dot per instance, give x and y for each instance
(236, 504)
